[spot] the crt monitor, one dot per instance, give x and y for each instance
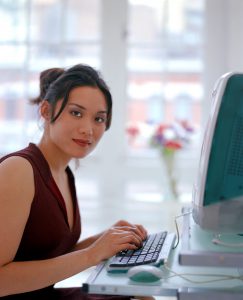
(218, 193)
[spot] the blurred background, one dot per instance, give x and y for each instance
(160, 58)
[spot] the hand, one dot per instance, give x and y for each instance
(117, 238)
(138, 229)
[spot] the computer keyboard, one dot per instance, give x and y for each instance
(154, 251)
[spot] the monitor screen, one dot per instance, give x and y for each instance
(218, 192)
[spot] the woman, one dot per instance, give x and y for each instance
(39, 216)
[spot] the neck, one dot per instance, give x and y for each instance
(55, 158)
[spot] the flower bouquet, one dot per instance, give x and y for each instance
(169, 139)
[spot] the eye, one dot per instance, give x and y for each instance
(100, 119)
(76, 113)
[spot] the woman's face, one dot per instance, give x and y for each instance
(78, 129)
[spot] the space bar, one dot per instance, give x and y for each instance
(117, 263)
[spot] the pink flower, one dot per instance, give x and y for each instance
(161, 128)
(133, 131)
(185, 124)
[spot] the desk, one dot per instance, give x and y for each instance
(104, 283)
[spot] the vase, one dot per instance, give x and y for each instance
(168, 157)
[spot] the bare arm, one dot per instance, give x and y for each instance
(19, 277)
(17, 191)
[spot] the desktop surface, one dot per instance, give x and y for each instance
(182, 281)
(199, 249)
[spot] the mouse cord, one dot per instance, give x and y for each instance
(220, 277)
(177, 227)
(217, 240)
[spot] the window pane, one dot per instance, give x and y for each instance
(46, 21)
(64, 21)
(43, 57)
(12, 56)
(164, 64)
(13, 16)
(39, 34)
(149, 12)
(12, 103)
(82, 20)
(87, 53)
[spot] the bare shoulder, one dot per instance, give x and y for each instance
(16, 177)
(15, 161)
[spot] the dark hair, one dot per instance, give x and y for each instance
(57, 83)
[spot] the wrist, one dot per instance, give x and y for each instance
(92, 256)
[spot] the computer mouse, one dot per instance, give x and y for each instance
(145, 274)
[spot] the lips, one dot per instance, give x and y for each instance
(83, 143)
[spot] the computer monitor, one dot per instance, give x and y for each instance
(218, 193)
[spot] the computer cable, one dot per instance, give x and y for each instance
(217, 240)
(177, 227)
(220, 277)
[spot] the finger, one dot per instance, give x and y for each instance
(134, 230)
(138, 229)
(142, 230)
(132, 239)
(125, 230)
(128, 246)
(122, 223)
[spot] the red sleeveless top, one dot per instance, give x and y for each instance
(47, 233)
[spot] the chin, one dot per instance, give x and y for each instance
(81, 155)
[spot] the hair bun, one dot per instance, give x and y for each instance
(47, 77)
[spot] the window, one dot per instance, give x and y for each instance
(37, 35)
(164, 63)
(165, 66)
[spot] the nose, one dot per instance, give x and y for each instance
(86, 129)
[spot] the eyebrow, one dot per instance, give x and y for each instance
(83, 108)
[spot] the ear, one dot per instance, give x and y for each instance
(45, 110)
